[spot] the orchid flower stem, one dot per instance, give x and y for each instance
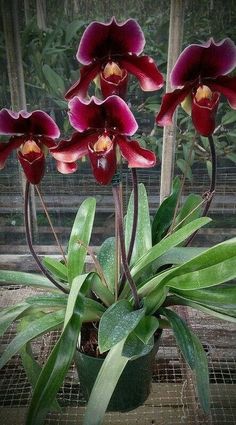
(208, 195)
(117, 201)
(135, 214)
(135, 222)
(50, 223)
(29, 241)
(117, 257)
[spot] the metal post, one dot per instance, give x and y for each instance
(41, 14)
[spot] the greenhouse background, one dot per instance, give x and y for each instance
(38, 44)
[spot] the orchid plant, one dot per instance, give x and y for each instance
(148, 266)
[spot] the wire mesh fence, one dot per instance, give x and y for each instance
(64, 193)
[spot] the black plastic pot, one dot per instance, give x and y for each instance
(134, 384)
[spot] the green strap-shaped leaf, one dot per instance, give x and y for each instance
(34, 329)
(107, 260)
(25, 279)
(143, 238)
(157, 284)
(101, 291)
(219, 301)
(212, 267)
(78, 287)
(190, 210)
(165, 213)
(54, 371)
(57, 268)
(50, 301)
(220, 313)
(31, 366)
(81, 231)
(93, 310)
(146, 328)
(117, 323)
(177, 255)
(160, 249)
(105, 384)
(193, 353)
(169, 242)
(156, 298)
(222, 296)
(9, 314)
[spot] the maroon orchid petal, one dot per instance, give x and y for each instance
(75, 148)
(170, 102)
(136, 156)
(112, 113)
(103, 163)
(33, 166)
(207, 60)
(226, 86)
(203, 114)
(7, 148)
(112, 86)
(66, 167)
(42, 124)
(119, 117)
(36, 123)
(84, 115)
(145, 70)
(14, 122)
(47, 141)
(87, 74)
(102, 40)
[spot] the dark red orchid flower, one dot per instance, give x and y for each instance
(111, 51)
(32, 134)
(102, 127)
(199, 77)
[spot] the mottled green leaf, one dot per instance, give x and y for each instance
(134, 347)
(107, 260)
(146, 328)
(193, 353)
(117, 323)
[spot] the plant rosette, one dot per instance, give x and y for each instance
(148, 268)
(124, 333)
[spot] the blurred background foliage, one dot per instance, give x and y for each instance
(50, 33)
